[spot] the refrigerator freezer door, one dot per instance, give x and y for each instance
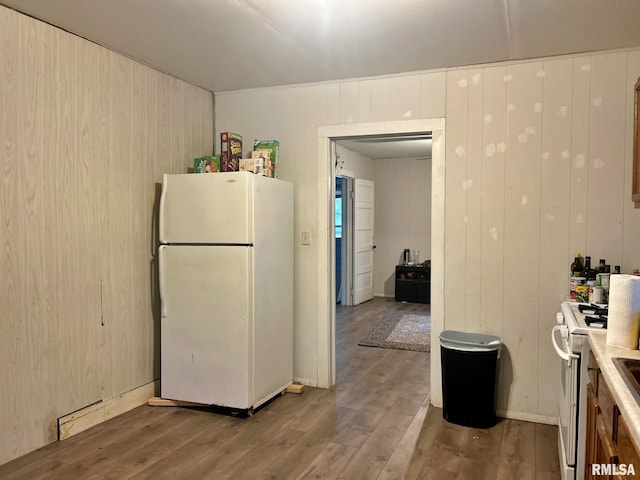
(206, 324)
(207, 208)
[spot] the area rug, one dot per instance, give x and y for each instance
(402, 331)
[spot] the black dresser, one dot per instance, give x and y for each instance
(413, 284)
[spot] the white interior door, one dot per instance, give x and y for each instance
(363, 241)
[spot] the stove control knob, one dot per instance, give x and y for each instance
(559, 318)
(564, 332)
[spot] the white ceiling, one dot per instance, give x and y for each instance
(235, 44)
(390, 146)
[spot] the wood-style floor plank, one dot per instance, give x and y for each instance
(375, 424)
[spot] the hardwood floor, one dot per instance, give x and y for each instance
(375, 424)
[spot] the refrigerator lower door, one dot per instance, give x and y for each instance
(206, 324)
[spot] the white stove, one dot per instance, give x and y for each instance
(575, 317)
(569, 339)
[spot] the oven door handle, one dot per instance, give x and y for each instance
(563, 354)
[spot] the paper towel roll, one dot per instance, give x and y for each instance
(623, 325)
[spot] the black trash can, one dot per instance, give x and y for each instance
(469, 377)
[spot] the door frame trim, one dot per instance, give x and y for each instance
(326, 308)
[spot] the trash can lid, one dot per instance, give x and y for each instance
(469, 341)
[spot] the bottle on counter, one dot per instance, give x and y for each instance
(577, 267)
(589, 272)
(577, 275)
(602, 265)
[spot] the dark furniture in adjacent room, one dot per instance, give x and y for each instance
(413, 284)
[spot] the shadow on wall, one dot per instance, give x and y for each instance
(390, 285)
(155, 284)
(505, 379)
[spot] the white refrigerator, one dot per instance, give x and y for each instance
(226, 288)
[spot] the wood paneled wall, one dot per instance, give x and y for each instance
(85, 136)
(538, 166)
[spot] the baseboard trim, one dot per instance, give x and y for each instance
(305, 381)
(527, 417)
(99, 412)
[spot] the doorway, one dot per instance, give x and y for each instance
(327, 135)
(343, 240)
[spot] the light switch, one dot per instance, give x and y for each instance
(306, 237)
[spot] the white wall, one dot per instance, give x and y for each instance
(538, 166)
(353, 164)
(402, 216)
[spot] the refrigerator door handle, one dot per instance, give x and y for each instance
(163, 310)
(161, 206)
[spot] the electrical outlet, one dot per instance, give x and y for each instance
(306, 237)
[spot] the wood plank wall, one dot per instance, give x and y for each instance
(85, 136)
(538, 162)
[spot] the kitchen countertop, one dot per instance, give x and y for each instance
(626, 398)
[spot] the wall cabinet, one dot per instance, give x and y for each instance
(608, 439)
(413, 284)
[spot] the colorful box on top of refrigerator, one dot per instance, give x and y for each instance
(209, 164)
(230, 151)
(273, 146)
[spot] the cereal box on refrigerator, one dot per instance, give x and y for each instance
(273, 147)
(231, 151)
(209, 164)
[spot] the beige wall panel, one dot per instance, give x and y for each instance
(13, 428)
(554, 218)
(224, 109)
(606, 157)
(119, 236)
(177, 117)
(493, 178)
(160, 107)
(77, 188)
(333, 104)
(28, 245)
(522, 226)
(456, 175)
(78, 377)
(314, 100)
(163, 162)
(389, 208)
(405, 97)
(433, 88)
(242, 122)
(291, 147)
(206, 104)
(150, 365)
(491, 309)
(349, 102)
(290, 116)
(364, 101)
(141, 171)
(380, 99)
(262, 125)
(581, 100)
(472, 188)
